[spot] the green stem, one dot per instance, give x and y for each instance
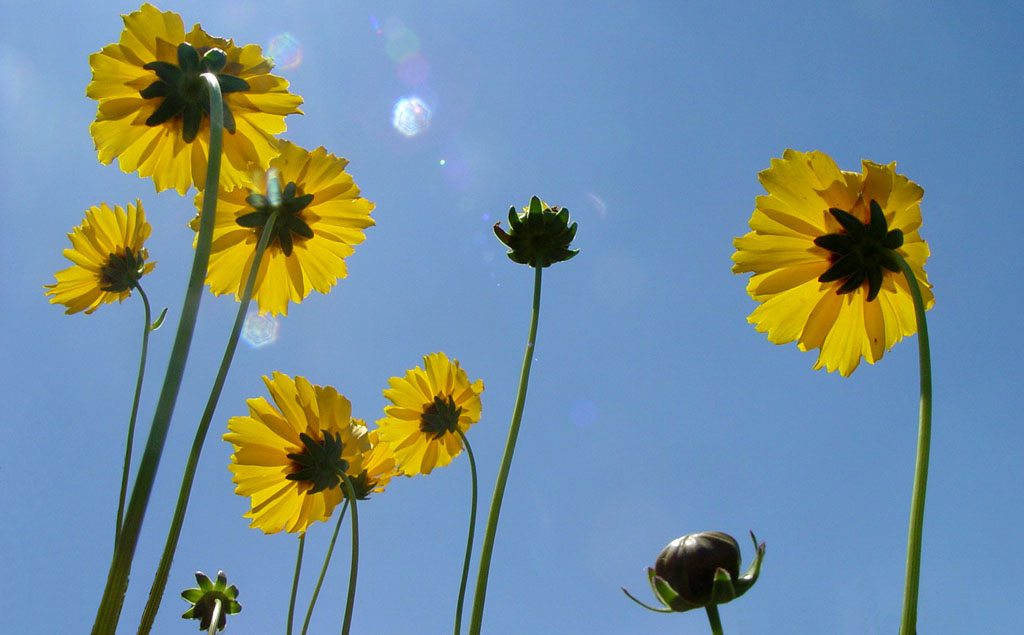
(109, 610)
(295, 583)
(469, 537)
(506, 464)
(716, 622)
(218, 606)
(350, 494)
(323, 570)
(163, 570)
(908, 624)
(135, 411)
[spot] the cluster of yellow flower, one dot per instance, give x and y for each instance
(836, 257)
(153, 89)
(420, 431)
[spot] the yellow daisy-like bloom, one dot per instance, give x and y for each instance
(153, 111)
(287, 455)
(108, 255)
(321, 218)
(429, 407)
(378, 466)
(821, 257)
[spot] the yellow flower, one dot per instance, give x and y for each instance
(321, 218)
(429, 407)
(820, 254)
(288, 455)
(378, 466)
(153, 110)
(108, 255)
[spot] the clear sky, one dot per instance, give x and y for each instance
(654, 409)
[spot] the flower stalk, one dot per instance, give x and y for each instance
(130, 441)
(323, 572)
(174, 533)
(109, 610)
(469, 536)
(350, 601)
(295, 583)
(908, 623)
(506, 463)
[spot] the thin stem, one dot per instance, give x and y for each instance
(323, 570)
(350, 494)
(469, 537)
(506, 464)
(130, 441)
(295, 583)
(109, 610)
(716, 622)
(908, 624)
(156, 591)
(217, 607)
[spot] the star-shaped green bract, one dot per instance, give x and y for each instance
(860, 252)
(186, 93)
(440, 417)
(204, 598)
(320, 463)
(288, 220)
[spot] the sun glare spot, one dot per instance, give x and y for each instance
(285, 50)
(259, 330)
(410, 116)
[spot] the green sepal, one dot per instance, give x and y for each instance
(295, 205)
(159, 321)
(167, 72)
(192, 595)
(845, 266)
(299, 226)
(650, 573)
(879, 226)
(188, 59)
(253, 219)
(853, 282)
(214, 60)
(838, 243)
(850, 223)
(894, 240)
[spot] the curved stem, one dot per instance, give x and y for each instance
(716, 622)
(163, 570)
(295, 583)
(218, 606)
(350, 494)
(469, 537)
(109, 610)
(323, 570)
(908, 623)
(130, 441)
(506, 464)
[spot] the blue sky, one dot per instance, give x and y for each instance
(654, 409)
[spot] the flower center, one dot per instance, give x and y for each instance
(287, 203)
(185, 94)
(440, 417)
(320, 463)
(122, 271)
(861, 251)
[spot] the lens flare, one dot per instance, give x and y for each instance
(259, 330)
(411, 116)
(375, 25)
(285, 50)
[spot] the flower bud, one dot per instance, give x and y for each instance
(701, 570)
(539, 236)
(204, 600)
